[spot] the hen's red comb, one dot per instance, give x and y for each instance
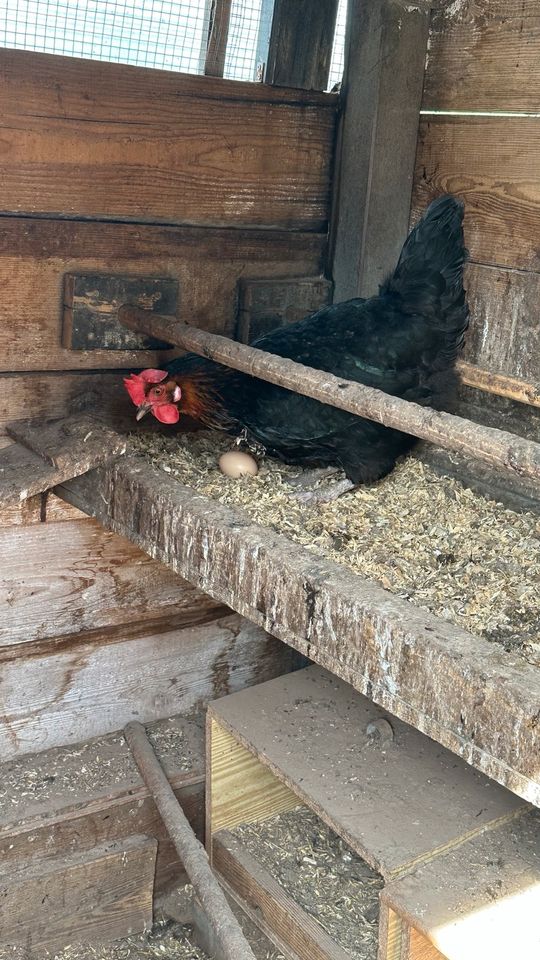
(137, 382)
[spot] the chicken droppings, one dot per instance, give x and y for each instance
(321, 874)
(424, 537)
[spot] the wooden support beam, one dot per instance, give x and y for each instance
(381, 94)
(496, 447)
(301, 43)
(229, 938)
(220, 16)
(499, 384)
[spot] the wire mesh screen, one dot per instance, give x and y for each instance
(338, 49)
(149, 33)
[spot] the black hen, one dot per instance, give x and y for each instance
(404, 341)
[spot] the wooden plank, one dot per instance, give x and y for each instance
(35, 254)
(168, 156)
(482, 899)
(492, 163)
(75, 447)
(67, 800)
(240, 789)
(54, 395)
(504, 334)
(76, 443)
(301, 43)
(54, 694)
(393, 937)
(265, 304)
(382, 90)
(254, 885)
(484, 56)
(490, 445)
(60, 582)
(396, 804)
(220, 16)
(479, 702)
(86, 898)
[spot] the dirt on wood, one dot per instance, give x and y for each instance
(424, 537)
(322, 875)
(166, 941)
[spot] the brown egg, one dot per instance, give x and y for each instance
(236, 464)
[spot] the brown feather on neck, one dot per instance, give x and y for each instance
(202, 399)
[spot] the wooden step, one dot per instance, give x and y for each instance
(482, 900)
(306, 736)
(68, 800)
(399, 800)
(92, 897)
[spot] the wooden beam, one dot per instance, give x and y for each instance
(496, 447)
(499, 384)
(381, 94)
(480, 703)
(220, 15)
(301, 43)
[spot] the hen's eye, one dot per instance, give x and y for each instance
(158, 391)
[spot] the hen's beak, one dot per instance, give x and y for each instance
(143, 410)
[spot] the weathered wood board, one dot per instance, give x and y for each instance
(483, 55)
(27, 396)
(301, 40)
(480, 702)
(62, 581)
(36, 253)
(493, 164)
(60, 692)
(161, 147)
(49, 904)
(383, 797)
(66, 800)
(264, 304)
(270, 905)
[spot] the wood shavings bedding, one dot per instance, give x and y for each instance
(322, 874)
(166, 940)
(424, 537)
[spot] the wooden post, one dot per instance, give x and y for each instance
(382, 90)
(220, 16)
(496, 447)
(301, 43)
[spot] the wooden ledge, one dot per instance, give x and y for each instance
(480, 702)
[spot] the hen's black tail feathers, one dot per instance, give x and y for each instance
(429, 276)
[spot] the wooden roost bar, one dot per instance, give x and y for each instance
(288, 689)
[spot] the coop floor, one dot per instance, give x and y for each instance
(422, 536)
(327, 879)
(165, 940)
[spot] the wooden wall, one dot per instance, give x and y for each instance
(482, 73)
(123, 170)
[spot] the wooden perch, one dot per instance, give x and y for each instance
(48, 453)
(228, 935)
(499, 384)
(496, 447)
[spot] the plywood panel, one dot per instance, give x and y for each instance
(35, 254)
(158, 148)
(504, 333)
(493, 163)
(61, 580)
(54, 695)
(484, 55)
